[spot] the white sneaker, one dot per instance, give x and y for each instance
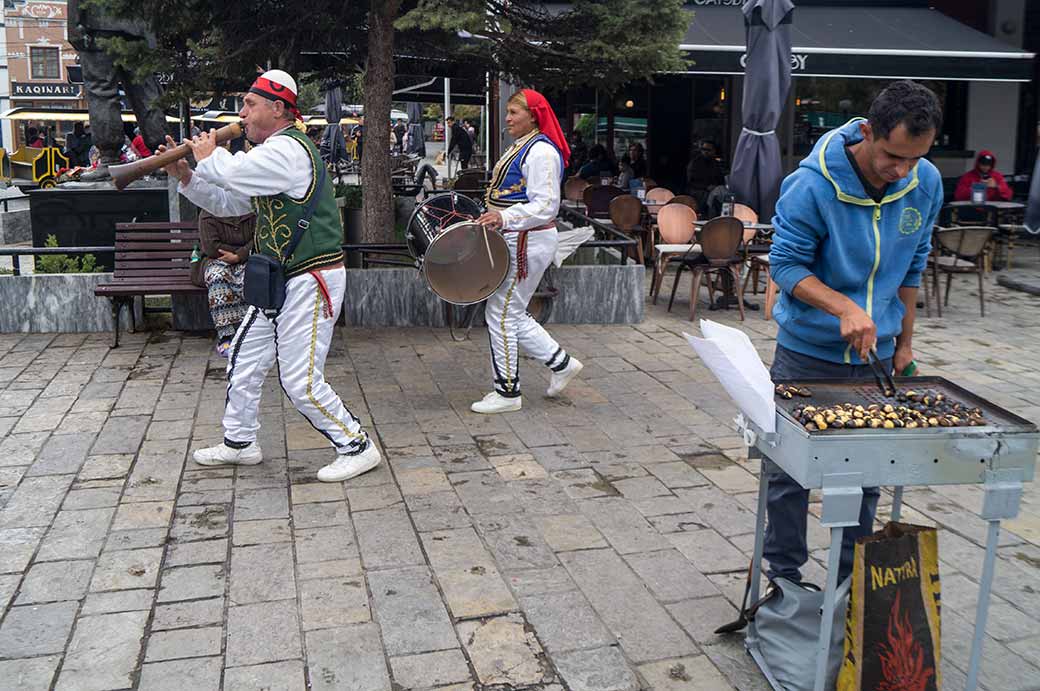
(495, 402)
(348, 466)
(222, 454)
(561, 379)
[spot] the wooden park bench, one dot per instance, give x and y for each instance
(150, 259)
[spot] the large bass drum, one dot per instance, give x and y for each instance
(462, 262)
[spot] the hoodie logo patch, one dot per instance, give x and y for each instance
(909, 221)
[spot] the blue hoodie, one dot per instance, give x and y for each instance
(827, 226)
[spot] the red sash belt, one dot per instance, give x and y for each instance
(521, 248)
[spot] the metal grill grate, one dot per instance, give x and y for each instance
(828, 393)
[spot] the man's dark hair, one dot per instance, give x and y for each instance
(908, 103)
(597, 151)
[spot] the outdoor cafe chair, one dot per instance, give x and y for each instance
(597, 199)
(975, 215)
(676, 224)
(573, 188)
(626, 213)
(757, 258)
(720, 241)
(685, 200)
(660, 195)
(959, 250)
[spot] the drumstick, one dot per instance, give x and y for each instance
(488, 245)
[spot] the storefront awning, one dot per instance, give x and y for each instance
(863, 42)
(59, 115)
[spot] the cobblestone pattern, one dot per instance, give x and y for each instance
(591, 542)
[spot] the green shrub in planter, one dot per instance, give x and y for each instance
(64, 264)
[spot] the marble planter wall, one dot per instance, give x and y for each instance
(589, 294)
(54, 303)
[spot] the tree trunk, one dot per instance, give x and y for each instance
(377, 200)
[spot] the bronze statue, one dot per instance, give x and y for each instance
(101, 79)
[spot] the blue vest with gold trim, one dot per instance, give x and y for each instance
(508, 185)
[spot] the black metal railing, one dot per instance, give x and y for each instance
(396, 254)
(17, 252)
(620, 240)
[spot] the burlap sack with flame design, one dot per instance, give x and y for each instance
(892, 626)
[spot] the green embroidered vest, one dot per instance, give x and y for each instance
(277, 216)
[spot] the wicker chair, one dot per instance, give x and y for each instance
(959, 250)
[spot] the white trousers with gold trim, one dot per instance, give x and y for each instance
(510, 327)
(298, 339)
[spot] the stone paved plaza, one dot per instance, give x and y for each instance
(587, 543)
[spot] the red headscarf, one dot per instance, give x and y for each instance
(547, 123)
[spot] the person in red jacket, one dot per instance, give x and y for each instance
(997, 189)
(140, 147)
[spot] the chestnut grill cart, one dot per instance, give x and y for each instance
(1000, 455)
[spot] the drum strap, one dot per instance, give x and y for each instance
(521, 249)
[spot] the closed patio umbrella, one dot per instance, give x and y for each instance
(757, 171)
(333, 144)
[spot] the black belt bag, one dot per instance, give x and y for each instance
(264, 281)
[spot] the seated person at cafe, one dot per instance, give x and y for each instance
(226, 243)
(579, 153)
(984, 173)
(636, 160)
(703, 173)
(598, 166)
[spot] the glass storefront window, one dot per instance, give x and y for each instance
(821, 104)
(711, 100)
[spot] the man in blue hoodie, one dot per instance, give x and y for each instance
(853, 230)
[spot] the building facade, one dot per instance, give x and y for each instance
(38, 56)
(977, 55)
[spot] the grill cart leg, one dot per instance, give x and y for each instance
(1003, 493)
(756, 559)
(897, 503)
(842, 497)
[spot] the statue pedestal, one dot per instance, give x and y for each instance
(84, 214)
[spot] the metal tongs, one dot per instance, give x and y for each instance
(881, 375)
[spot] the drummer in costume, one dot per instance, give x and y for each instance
(523, 199)
(276, 180)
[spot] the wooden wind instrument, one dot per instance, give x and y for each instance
(124, 174)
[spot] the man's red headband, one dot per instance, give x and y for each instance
(275, 92)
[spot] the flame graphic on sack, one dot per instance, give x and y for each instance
(902, 658)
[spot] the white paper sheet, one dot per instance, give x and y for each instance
(733, 360)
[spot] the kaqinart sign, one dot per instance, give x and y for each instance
(44, 90)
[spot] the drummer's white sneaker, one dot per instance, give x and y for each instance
(495, 402)
(222, 454)
(347, 466)
(561, 379)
